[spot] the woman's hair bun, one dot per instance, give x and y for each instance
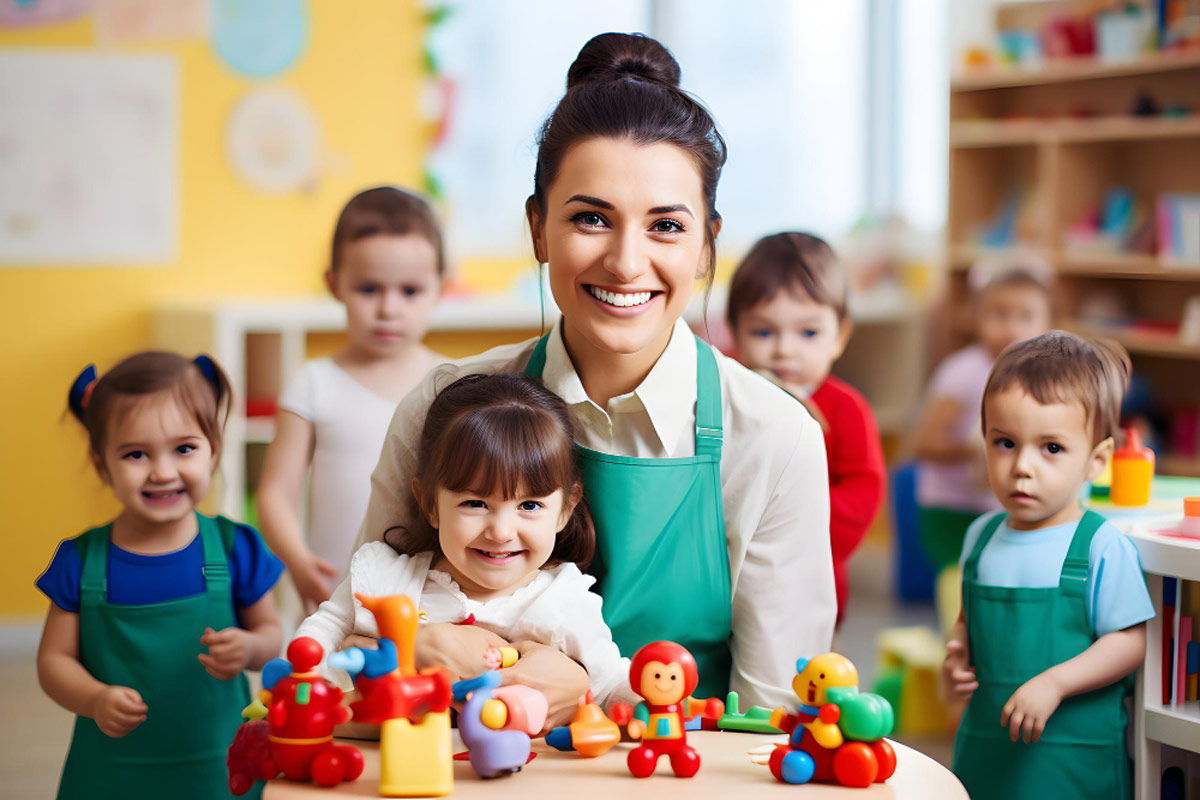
(613, 56)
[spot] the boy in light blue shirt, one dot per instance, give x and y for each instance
(1054, 601)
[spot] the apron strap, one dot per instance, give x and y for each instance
(216, 560)
(971, 565)
(708, 402)
(93, 582)
(709, 434)
(1073, 580)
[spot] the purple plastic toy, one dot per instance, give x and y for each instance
(492, 752)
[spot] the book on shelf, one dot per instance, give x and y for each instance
(1180, 641)
(1179, 230)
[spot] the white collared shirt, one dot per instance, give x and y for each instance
(774, 488)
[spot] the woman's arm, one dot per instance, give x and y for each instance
(279, 492)
(1110, 658)
(116, 709)
(784, 603)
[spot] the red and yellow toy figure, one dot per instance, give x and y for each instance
(836, 733)
(301, 710)
(412, 709)
(665, 673)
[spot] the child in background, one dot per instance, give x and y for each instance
(154, 615)
(1054, 600)
(508, 531)
(787, 310)
(386, 268)
(1011, 304)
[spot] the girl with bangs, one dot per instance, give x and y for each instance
(508, 532)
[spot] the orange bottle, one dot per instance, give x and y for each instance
(1132, 472)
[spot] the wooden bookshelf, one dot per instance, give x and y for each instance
(1060, 137)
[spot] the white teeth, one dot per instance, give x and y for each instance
(620, 299)
(490, 554)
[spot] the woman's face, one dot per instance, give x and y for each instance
(624, 236)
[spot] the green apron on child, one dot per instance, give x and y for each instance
(1015, 634)
(178, 751)
(662, 564)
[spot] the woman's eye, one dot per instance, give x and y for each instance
(530, 505)
(666, 226)
(588, 218)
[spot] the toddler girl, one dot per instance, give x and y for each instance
(787, 310)
(1011, 304)
(386, 269)
(507, 532)
(154, 615)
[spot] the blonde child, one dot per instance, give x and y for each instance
(386, 268)
(1011, 303)
(155, 615)
(498, 484)
(787, 310)
(1054, 600)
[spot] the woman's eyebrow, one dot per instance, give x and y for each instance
(672, 210)
(595, 201)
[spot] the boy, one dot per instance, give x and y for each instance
(1054, 600)
(787, 310)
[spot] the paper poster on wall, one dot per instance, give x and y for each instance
(88, 157)
(21, 13)
(273, 140)
(260, 37)
(120, 21)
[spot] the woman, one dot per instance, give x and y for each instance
(708, 485)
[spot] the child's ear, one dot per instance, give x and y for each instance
(537, 230)
(331, 282)
(571, 499)
(1101, 454)
(101, 470)
(845, 329)
(431, 514)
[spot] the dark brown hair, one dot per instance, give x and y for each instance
(1061, 367)
(786, 262)
(626, 86)
(386, 210)
(501, 433)
(140, 375)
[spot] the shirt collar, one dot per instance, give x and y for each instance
(669, 404)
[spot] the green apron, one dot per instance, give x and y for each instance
(1014, 634)
(179, 749)
(662, 564)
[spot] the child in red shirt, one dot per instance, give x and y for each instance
(787, 311)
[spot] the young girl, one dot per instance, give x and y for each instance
(1011, 303)
(787, 311)
(386, 269)
(1054, 599)
(155, 615)
(498, 484)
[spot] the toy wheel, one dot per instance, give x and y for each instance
(854, 764)
(795, 766)
(336, 764)
(886, 757)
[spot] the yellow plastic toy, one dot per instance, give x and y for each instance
(821, 673)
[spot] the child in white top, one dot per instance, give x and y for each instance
(386, 268)
(498, 484)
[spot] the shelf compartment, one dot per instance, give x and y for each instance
(1067, 70)
(1149, 344)
(1178, 726)
(999, 133)
(1187, 466)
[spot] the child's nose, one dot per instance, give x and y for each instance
(502, 529)
(626, 258)
(390, 303)
(162, 469)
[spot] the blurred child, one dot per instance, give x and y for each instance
(1054, 600)
(787, 310)
(1010, 305)
(499, 485)
(154, 615)
(386, 268)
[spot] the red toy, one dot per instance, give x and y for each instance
(665, 673)
(302, 710)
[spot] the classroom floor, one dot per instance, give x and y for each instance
(35, 732)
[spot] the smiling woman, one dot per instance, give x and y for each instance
(706, 483)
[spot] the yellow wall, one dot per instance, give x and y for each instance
(360, 72)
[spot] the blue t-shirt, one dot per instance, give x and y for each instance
(136, 579)
(1116, 588)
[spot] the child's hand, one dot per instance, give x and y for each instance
(228, 652)
(312, 579)
(957, 674)
(117, 710)
(1027, 711)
